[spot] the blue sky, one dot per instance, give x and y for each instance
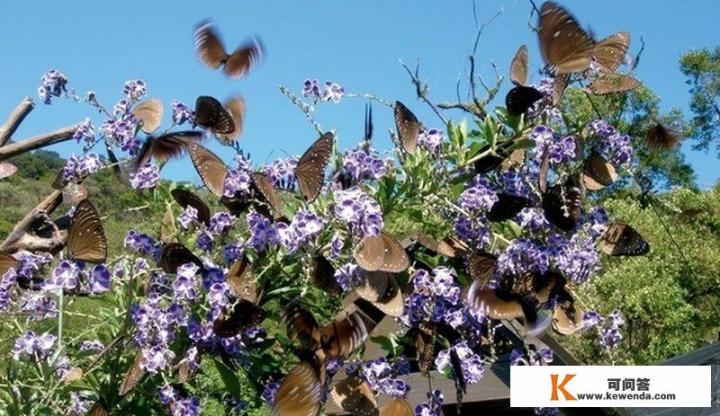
(99, 45)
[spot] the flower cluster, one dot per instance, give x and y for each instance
(262, 231)
(53, 84)
(85, 132)
(471, 363)
(79, 168)
(134, 89)
(610, 335)
(187, 217)
(121, 132)
(559, 149)
(304, 226)
(575, 258)
(177, 404)
(182, 114)
(435, 296)
(282, 173)
(433, 407)
(36, 348)
(522, 256)
(431, 140)
(614, 146)
(331, 92)
(541, 356)
(146, 176)
(383, 376)
(361, 165)
(359, 211)
(238, 181)
(155, 330)
(348, 276)
(143, 244)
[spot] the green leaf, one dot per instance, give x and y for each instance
(229, 378)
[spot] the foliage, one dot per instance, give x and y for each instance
(702, 69)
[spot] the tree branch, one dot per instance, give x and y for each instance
(36, 142)
(20, 237)
(14, 119)
(421, 89)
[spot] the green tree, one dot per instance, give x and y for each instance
(702, 69)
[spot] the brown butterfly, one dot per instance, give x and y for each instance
(383, 291)
(99, 409)
(611, 83)
(521, 97)
(210, 167)
(501, 305)
(210, 114)
(150, 114)
(167, 146)
(355, 396)
(310, 170)
(300, 393)
(235, 107)
(242, 315)
(481, 266)
(560, 83)
(185, 199)
(322, 273)
(268, 194)
(133, 376)
(610, 52)
(175, 255)
(660, 137)
(519, 66)
(212, 52)
(425, 345)
(396, 407)
(564, 45)
(543, 171)
(241, 280)
(598, 173)
(382, 252)
(567, 318)
(7, 170)
(563, 205)
(86, 236)
(408, 127)
(7, 262)
(621, 239)
(506, 207)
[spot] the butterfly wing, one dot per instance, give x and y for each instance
(519, 66)
(241, 280)
(322, 273)
(170, 145)
(564, 45)
(408, 127)
(343, 336)
(395, 259)
(355, 396)
(370, 254)
(481, 267)
(563, 205)
(210, 167)
(567, 318)
(235, 107)
(300, 393)
(7, 262)
(620, 239)
(301, 325)
(610, 52)
(598, 173)
(175, 255)
(396, 407)
(310, 171)
(244, 58)
(185, 199)
(133, 376)
(660, 137)
(560, 83)
(425, 346)
(209, 47)
(86, 236)
(519, 99)
(383, 291)
(611, 83)
(150, 113)
(268, 193)
(242, 315)
(506, 207)
(210, 114)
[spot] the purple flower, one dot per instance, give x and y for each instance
(361, 164)
(205, 240)
(188, 217)
(167, 394)
(221, 222)
(218, 296)
(431, 140)
(333, 91)
(53, 84)
(121, 108)
(238, 180)
(79, 405)
(472, 230)
(39, 306)
(610, 335)
(85, 132)
(348, 276)
(522, 256)
(596, 222)
(99, 279)
(121, 132)
(311, 88)
(282, 173)
(613, 146)
(542, 356)
(575, 258)
(270, 391)
(262, 232)
(361, 212)
(185, 283)
(532, 219)
(514, 183)
(156, 358)
(233, 251)
(134, 89)
(435, 297)
(91, 345)
(559, 149)
(64, 277)
(433, 407)
(471, 363)
(336, 246)
(304, 227)
(590, 319)
(479, 197)
(382, 377)
(181, 114)
(146, 176)
(177, 404)
(142, 243)
(33, 346)
(29, 264)
(77, 169)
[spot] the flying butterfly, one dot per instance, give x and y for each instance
(563, 205)
(408, 127)
(506, 207)
(564, 45)
(300, 393)
(355, 396)
(242, 315)
(7, 170)
(150, 114)
(383, 291)
(310, 170)
(560, 83)
(481, 266)
(507, 306)
(598, 173)
(268, 194)
(610, 52)
(235, 107)
(210, 167)
(621, 239)
(175, 255)
(133, 376)
(611, 83)
(167, 146)
(382, 252)
(86, 236)
(210, 114)
(660, 137)
(212, 52)
(186, 198)
(322, 273)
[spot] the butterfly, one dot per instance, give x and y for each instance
(610, 52)
(560, 83)
(133, 376)
(521, 97)
(150, 114)
(598, 173)
(7, 262)
(175, 255)
(425, 345)
(456, 364)
(611, 83)
(563, 205)
(322, 273)
(300, 393)
(212, 52)
(235, 107)
(660, 137)
(266, 192)
(495, 158)
(310, 170)
(383, 291)
(86, 236)
(564, 45)
(186, 198)
(621, 239)
(382, 252)
(167, 146)
(566, 318)
(241, 280)
(506, 207)
(210, 114)
(210, 167)
(481, 266)
(396, 407)
(355, 396)
(7, 170)
(408, 127)
(242, 315)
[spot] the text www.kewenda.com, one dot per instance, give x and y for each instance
(625, 396)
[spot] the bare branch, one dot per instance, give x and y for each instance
(36, 142)
(305, 108)
(16, 117)
(421, 89)
(636, 60)
(20, 238)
